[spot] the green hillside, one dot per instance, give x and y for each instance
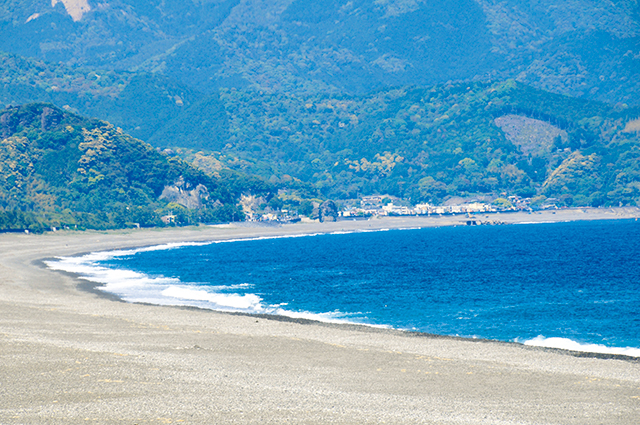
(426, 101)
(582, 48)
(60, 169)
(141, 103)
(420, 144)
(428, 144)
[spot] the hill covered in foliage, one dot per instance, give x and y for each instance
(421, 144)
(422, 100)
(430, 144)
(583, 48)
(63, 170)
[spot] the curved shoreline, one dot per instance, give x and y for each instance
(67, 355)
(88, 285)
(92, 287)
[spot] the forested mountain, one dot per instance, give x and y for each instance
(141, 103)
(60, 169)
(321, 99)
(583, 48)
(428, 144)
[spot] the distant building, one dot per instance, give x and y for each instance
(168, 219)
(269, 217)
(373, 199)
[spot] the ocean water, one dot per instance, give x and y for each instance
(566, 285)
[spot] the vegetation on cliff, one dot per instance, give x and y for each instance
(58, 169)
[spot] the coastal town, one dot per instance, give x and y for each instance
(385, 205)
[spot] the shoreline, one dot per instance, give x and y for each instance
(548, 217)
(68, 354)
(94, 287)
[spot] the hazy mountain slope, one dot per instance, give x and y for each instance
(428, 144)
(357, 46)
(580, 47)
(141, 103)
(58, 168)
(116, 33)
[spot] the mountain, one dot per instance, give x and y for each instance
(142, 103)
(422, 100)
(430, 144)
(422, 144)
(582, 48)
(61, 169)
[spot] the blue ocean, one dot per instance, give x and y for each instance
(567, 285)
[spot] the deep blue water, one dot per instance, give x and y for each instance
(578, 281)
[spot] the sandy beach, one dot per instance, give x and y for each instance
(70, 355)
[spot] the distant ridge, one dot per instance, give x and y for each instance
(583, 48)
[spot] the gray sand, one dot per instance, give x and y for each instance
(72, 356)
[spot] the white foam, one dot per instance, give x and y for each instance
(263, 238)
(132, 286)
(67, 263)
(217, 301)
(329, 317)
(568, 344)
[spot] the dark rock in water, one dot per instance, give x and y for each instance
(328, 211)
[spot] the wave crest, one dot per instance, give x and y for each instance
(132, 286)
(569, 344)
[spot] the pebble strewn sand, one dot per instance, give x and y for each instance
(71, 356)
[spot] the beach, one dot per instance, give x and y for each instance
(70, 354)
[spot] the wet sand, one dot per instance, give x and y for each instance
(68, 355)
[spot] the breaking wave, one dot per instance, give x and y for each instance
(135, 287)
(568, 344)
